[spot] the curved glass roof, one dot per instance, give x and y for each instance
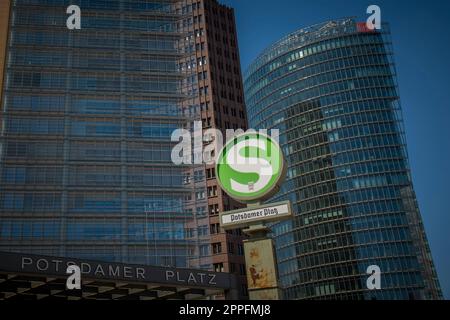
(302, 37)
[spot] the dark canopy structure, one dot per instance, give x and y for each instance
(34, 277)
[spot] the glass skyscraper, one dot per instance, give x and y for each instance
(85, 144)
(331, 91)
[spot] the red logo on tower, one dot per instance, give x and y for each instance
(362, 27)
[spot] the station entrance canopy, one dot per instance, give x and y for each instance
(35, 277)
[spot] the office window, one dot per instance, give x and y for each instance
(218, 267)
(213, 209)
(212, 191)
(217, 247)
(215, 228)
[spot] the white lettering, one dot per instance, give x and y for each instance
(57, 263)
(41, 262)
(74, 280)
(181, 153)
(140, 273)
(192, 278)
(74, 21)
(212, 279)
(374, 21)
(169, 274)
(26, 261)
(99, 270)
(115, 272)
(85, 268)
(127, 272)
(374, 281)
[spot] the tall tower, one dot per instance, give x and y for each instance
(221, 101)
(331, 91)
(85, 142)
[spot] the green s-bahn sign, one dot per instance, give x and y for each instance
(251, 167)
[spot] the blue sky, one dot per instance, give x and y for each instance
(421, 38)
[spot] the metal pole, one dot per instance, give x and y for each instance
(261, 264)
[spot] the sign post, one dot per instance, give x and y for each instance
(251, 168)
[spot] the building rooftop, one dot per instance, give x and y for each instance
(304, 37)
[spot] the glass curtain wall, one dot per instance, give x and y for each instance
(86, 145)
(331, 91)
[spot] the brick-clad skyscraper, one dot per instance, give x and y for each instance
(222, 107)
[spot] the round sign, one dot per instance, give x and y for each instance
(250, 167)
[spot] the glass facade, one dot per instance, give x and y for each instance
(87, 118)
(331, 91)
